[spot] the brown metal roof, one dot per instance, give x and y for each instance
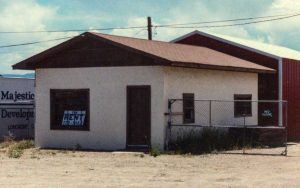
(174, 54)
(183, 53)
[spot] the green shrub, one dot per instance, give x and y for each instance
(207, 140)
(24, 144)
(154, 152)
(16, 150)
(14, 153)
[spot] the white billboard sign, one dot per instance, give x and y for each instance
(16, 107)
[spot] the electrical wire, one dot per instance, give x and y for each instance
(36, 42)
(139, 32)
(71, 30)
(231, 25)
(155, 26)
(228, 20)
(281, 16)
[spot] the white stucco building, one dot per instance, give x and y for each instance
(109, 92)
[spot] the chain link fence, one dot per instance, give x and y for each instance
(252, 124)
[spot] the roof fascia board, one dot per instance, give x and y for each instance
(228, 42)
(184, 36)
(224, 68)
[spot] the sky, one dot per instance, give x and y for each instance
(32, 15)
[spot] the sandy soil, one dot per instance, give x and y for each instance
(52, 168)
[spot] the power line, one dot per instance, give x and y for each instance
(42, 41)
(155, 26)
(71, 30)
(36, 42)
(282, 16)
(235, 24)
(228, 20)
(138, 32)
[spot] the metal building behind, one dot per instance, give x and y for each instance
(285, 85)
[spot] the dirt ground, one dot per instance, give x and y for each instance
(53, 168)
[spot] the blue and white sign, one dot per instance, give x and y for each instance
(73, 118)
(267, 113)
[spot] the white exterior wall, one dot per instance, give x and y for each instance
(107, 105)
(211, 85)
(108, 100)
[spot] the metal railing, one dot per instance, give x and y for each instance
(265, 116)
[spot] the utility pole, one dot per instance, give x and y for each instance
(149, 28)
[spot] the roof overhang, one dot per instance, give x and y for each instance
(221, 68)
(31, 63)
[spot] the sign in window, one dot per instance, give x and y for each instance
(69, 109)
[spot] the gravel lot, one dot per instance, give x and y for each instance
(54, 168)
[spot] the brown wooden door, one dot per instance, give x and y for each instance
(138, 116)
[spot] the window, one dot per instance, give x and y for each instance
(242, 108)
(188, 108)
(69, 109)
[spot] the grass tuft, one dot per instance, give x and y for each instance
(207, 140)
(155, 152)
(16, 149)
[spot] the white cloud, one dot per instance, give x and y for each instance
(133, 21)
(284, 6)
(19, 15)
(194, 11)
(278, 32)
(283, 32)
(25, 15)
(10, 58)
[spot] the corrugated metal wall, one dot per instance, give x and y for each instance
(291, 93)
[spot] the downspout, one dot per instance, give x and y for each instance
(280, 72)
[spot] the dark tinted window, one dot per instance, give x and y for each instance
(242, 108)
(188, 108)
(69, 109)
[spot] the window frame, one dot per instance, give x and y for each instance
(185, 97)
(236, 102)
(54, 125)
